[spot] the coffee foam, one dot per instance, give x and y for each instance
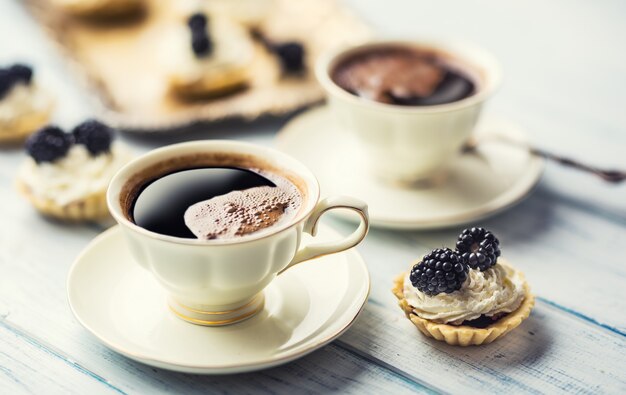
(135, 184)
(402, 72)
(387, 73)
(240, 213)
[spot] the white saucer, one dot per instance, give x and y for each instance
(478, 185)
(305, 308)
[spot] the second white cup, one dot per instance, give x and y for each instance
(406, 143)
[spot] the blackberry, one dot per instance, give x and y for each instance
(94, 135)
(48, 144)
(201, 44)
(6, 82)
(21, 72)
(439, 271)
(479, 248)
(197, 22)
(12, 75)
(291, 56)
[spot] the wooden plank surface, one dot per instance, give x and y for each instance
(383, 339)
(22, 360)
(565, 82)
(33, 292)
(28, 364)
(552, 351)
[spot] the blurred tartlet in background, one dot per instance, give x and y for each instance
(207, 55)
(67, 174)
(24, 105)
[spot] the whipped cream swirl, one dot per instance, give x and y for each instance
(232, 49)
(23, 100)
(497, 290)
(75, 176)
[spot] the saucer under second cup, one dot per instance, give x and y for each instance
(477, 185)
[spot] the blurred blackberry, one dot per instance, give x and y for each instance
(94, 135)
(48, 144)
(12, 75)
(291, 56)
(197, 21)
(478, 248)
(21, 72)
(6, 82)
(439, 271)
(201, 44)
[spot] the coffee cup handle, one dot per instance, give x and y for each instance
(316, 250)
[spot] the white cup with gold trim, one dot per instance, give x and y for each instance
(219, 282)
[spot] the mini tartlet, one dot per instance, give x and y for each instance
(24, 105)
(211, 56)
(99, 8)
(66, 175)
(465, 297)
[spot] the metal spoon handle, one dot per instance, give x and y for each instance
(612, 175)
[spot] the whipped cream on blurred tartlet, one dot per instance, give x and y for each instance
(76, 175)
(210, 55)
(24, 105)
(66, 175)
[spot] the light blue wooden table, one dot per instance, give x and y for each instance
(565, 82)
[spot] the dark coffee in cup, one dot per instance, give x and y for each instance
(403, 75)
(218, 201)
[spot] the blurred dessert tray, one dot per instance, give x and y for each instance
(117, 62)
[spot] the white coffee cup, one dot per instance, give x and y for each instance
(406, 143)
(219, 282)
